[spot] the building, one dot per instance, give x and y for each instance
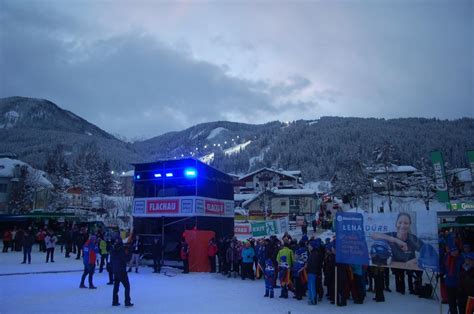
(77, 198)
(460, 179)
(15, 173)
(126, 182)
(283, 202)
(268, 179)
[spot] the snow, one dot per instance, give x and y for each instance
(313, 122)
(7, 166)
(215, 132)
(319, 186)
(258, 158)
(207, 159)
(23, 291)
(393, 169)
(11, 117)
(193, 137)
(244, 197)
(463, 174)
(89, 133)
(293, 191)
(267, 169)
(236, 148)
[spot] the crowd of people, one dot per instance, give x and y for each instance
(306, 268)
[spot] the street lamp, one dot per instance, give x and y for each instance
(372, 194)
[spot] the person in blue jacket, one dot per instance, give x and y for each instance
(248, 254)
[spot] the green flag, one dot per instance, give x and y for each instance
(470, 156)
(440, 177)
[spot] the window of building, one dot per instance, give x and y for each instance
(3, 188)
(283, 203)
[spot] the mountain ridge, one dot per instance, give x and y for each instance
(316, 147)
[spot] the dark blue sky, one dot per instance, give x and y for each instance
(140, 69)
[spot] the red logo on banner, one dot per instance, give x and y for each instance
(214, 207)
(162, 206)
(242, 229)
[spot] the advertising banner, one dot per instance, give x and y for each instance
(405, 240)
(440, 177)
(351, 247)
(242, 229)
(182, 206)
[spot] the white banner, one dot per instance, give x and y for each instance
(182, 206)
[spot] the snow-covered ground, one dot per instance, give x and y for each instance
(33, 292)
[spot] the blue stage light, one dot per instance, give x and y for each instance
(157, 175)
(137, 176)
(190, 173)
(169, 174)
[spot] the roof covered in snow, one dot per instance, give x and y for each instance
(283, 173)
(463, 174)
(393, 169)
(7, 167)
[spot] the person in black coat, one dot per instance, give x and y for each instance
(118, 260)
(156, 251)
(28, 240)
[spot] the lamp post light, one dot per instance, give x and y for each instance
(372, 194)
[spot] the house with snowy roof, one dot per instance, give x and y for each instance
(14, 173)
(460, 179)
(275, 203)
(267, 178)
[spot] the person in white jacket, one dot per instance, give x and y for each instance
(50, 243)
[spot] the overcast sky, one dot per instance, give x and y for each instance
(142, 68)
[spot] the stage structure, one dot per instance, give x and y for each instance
(172, 196)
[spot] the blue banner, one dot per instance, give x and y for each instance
(351, 245)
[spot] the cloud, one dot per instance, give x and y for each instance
(130, 84)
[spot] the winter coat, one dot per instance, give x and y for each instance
(156, 249)
(451, 267)
(137, 247)
(261, 254)
(28, 241)
(118, 258)
(232, 255)
(248, 254)
(90, 251)
(103, 247)
(50, 241)
(313, 262)
(212, 250)
(290, 256)
(467, 281)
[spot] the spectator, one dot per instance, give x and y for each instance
(50, 243)
(118, 260)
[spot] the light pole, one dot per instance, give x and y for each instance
(372, 194)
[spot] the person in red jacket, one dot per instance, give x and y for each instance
(7, 239)
(211, 253)
(90, 251)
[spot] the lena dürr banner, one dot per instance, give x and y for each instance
(406, 240)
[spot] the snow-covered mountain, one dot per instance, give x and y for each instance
(32, 128)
